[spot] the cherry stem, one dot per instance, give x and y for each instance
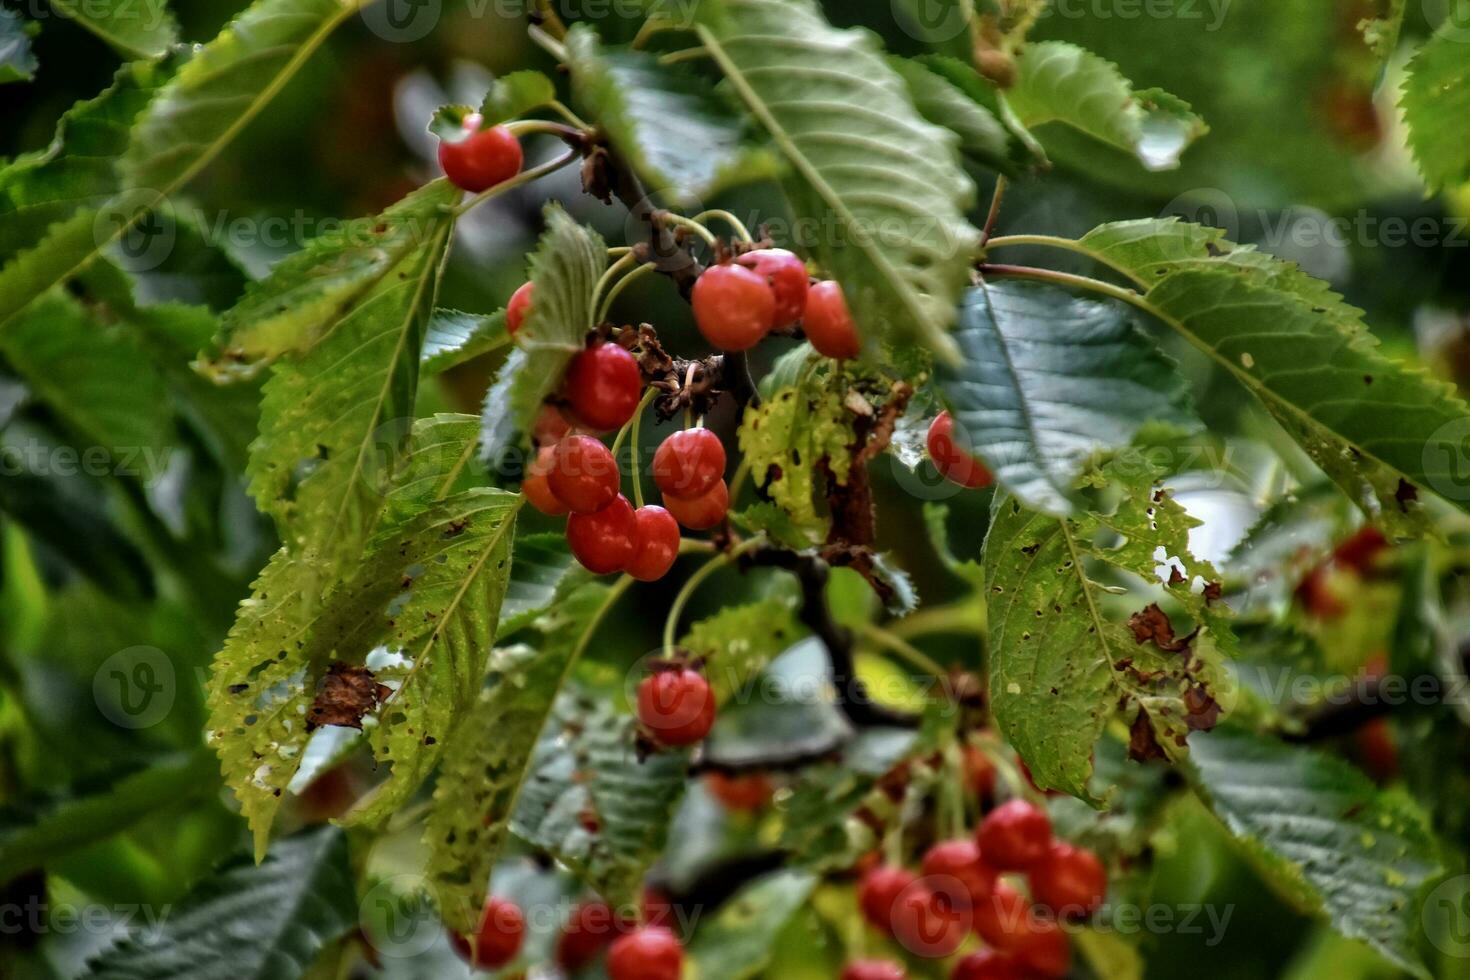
(729, 219)
(519, 180)
(619, 286)
(526, 127)
(633, 425)
(676, 611)
(548, 43)
(685, 54)
(950, 785)
(995, 199)
(557, 106)
(692, 225)
(737, 482)
(902, 648)
(608, 275)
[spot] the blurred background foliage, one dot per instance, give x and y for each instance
(1303, 129)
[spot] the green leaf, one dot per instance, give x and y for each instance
(134, 28)
(1049, 382)
(542, 574)
(260, 688)
(49, 832)
(196, 114)
(1435, 102)
(787, 437)
(593, 804)
(565, 269)
(440, 453)
(78, 169)
(96, 378)
(488, 760)
(861, 157)
(665, 122)
(739, 641)
(427, 595)
(936, 517)
(1323, 835)
(1060, 82)
(1060, 666)
(334, 419)
(453, 338)
(982, 136)
(1378, 428)
(17, 63)
(737, 941)
(512, 96)
(247, 922)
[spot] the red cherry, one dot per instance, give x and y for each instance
(1002, 919)
(689, 463)
(482, 159)
(592, 926)
(607, 540)
(1070, 881)
(787, 277)
(658, 544)
(878, 893)
(1359, 552)
(676, 706)
(537, 487)
(1014, 836)
(1043, 948)
(988, 965)
(583, 474)
(742, 793)
(733, 306)
(979, 772)
(550, 426)
(928, 923)
(952, 462)
(873, 970)
(703, 512)
(828, 323)
(518, 308)
(603, 386)
(657, 909)
(651, 953)
(1377, 750)
(954, 867)
(497, 939)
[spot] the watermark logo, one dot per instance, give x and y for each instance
(138, 226)
(402, 21)
(135, 688)
(1446, 460)
(931, 21)
(398, 917)
(1447, 917)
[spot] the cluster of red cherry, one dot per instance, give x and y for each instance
(650, 951)
(961, 888)
(738, 302)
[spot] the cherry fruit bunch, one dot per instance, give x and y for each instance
(970, 884)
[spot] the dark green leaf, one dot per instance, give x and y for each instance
(1049, 382)
(454, 338)
(737, 942)
(134, 28)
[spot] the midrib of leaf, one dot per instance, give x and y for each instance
(945, 346)
(449, 609)
(303, 52)
(1141, 301)
(96, 26)
(429, 273)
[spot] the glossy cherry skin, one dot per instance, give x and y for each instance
(878, 894)
(988, 965)
(537, 487)
(1014, 836)
(591, 928)
(828, 322)
(658, 544)
(498, 938)
(928, 923)
(676, 706)
(689, 463)
(603, 386)
(786, 274)
(954, 867)
(604, 541)
(519, 307)
(583, 474)
(1069, 881)
(703, 512)
(733, 306)
(1003, 918)
(873, 970)
(743, 794)
(1044, 948)
(651, 953)
(482, 159)
(952, 462)
(550, 426)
